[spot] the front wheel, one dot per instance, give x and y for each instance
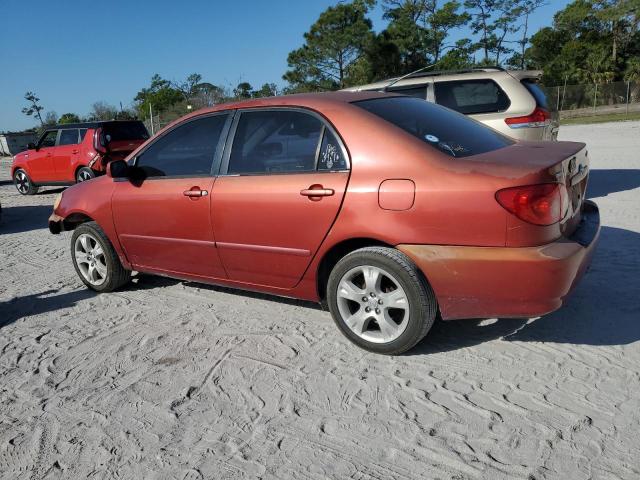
(95, 260)
(23, 183)
(380, 300)
(84, 174)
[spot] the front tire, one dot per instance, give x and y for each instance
(380, 300)
(23, 183)
(83, 174)
(95, 260)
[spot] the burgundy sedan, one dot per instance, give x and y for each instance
(390, 209)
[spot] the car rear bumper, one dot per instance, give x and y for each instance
(489, 282)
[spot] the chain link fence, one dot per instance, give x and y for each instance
(595, 99)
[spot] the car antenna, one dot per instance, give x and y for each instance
(393, 82)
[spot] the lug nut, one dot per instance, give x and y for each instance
(380, 302)
(367, 309)
(365, 299)
(372, 294)
(378, 311)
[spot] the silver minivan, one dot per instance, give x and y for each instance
(510, 101)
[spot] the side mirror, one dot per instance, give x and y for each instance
(31, 146)
(118, 169)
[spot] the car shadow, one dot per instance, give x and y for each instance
(603, 310)
(39, 303)
(604, 182)
(6, 182)
(24, 218)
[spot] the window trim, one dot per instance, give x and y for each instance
(471, 80)
(224, 165)
(216, 156)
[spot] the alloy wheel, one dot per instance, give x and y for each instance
(89, 257)
(373, 304)
(83, 176)
(22, 182)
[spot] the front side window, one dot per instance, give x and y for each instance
(275, 142)
(448, 131)
(471, 96)
(187, 150)
(49, 139)
(69, 137)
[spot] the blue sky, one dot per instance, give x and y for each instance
(73, 53)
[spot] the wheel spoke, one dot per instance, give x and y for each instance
(395, 299)
(357, 321)
(388, 327)
(97, 250)
(81, 257)
(371, 278)
(350, 291)
(101, 268)
(84, 242)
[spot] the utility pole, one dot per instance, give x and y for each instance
(151, 119)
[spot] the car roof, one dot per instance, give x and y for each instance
(422, 78)
(88, 124)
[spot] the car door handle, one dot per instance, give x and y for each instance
(317, 192)
(74, 151)
(195, 192)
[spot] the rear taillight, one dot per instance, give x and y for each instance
(538, 118)
(536, 204)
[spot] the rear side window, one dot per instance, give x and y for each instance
(471, 96)
(330, 157)
(445, 130)
(68, 137)
(275, 142)
(83, 132)
(126, 131)
(537, 93)
(187, 150)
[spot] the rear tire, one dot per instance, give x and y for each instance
(83, 174)
(23, 183)
(95, 260)
(380, 300)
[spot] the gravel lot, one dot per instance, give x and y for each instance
(170, 379)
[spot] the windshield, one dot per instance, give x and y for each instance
(126, 131)
(448, 131)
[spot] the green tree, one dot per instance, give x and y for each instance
(51, 118)
(267, 90)
(68, 118)
(160, 95)
(243, 91)
(34, 108)
(333, 47)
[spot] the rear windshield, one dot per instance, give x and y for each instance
(536, 91)
(127, 131)
(472, 96)
(448, 131)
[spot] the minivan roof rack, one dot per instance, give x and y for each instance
(436, 73)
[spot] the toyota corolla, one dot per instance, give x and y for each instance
(390, 209)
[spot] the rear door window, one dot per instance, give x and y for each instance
(331, 157)
(471, 96)
(272, 141)
(186, 151)
(68, 137)
(440, 128)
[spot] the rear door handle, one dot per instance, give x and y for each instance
(74, 151)
(195, 192)
(317, 192)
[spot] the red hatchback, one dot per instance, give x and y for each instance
(72, 153)
(389, 208)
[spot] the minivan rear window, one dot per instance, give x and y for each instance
(450, 132)
(127, 131)
(471, 96)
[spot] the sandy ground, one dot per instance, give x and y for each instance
(168, 379)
